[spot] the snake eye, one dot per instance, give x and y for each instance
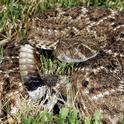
(85, 83)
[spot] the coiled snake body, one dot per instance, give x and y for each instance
(93, 38)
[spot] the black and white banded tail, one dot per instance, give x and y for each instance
(29, 69)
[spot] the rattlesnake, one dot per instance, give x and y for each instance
(93, 39)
